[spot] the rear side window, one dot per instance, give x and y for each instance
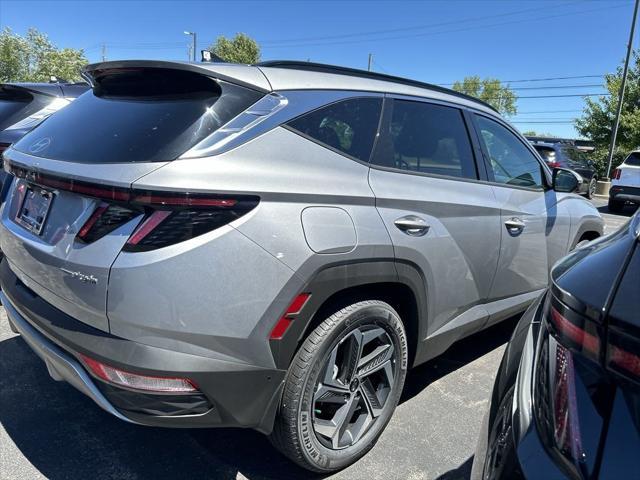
(348, 126)
(138, 115)
(426, 138)
(510, 161)
(633, 159)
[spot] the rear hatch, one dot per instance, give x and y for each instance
(70, 211)
(629, 171)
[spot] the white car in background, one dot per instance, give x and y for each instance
(625, 183)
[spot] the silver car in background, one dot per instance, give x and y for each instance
(272, 246)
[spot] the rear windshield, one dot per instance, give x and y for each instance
(12, 101)
(548, 154)
(138, 115)
(633, 159)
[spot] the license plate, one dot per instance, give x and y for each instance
(34, 209)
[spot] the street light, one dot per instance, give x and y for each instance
(193, 49)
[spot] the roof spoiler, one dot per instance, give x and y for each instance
(239, 74)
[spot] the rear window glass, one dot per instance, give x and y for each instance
(138, 115)
(548, 154)
(348, 126)
(12, 103)
(633, 159)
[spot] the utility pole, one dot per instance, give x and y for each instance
(370, 60)
(192, 49)
(616, 123)
(104, 52)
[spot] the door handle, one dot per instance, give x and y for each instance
(412, 225)
(515, 225)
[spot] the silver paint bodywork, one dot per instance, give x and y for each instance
(220, 294)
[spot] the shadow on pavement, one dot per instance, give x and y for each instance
(64, 435)
(627, 211)
(463, 472)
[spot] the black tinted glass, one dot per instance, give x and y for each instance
(426, 138)
(349, 126)
(548, 154)
(138, 115)
(633, 159)
(510, 160)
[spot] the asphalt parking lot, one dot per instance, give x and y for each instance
(48, 430)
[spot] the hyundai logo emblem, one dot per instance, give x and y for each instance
(40, 145)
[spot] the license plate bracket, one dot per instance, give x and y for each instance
(34, 210)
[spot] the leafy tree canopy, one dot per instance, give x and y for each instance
(596, 122)
(489, 90)
(239, 49)
(33, 58)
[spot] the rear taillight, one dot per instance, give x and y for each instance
(616, 174)
(554, 164)
(167, 217)
(135, 381)
(575, 331)
(571, 341)
(172, 217)
(622, 355)
(566, 425)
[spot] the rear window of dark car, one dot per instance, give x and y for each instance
(138, 115)
(348, 126)
(633, 159)
(548, 154)
(14, 105)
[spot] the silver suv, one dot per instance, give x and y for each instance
(272, 246)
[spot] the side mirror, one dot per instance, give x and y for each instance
(566, 181)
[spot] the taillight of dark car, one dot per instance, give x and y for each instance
(571, 384)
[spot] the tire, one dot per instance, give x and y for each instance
(322, 387)
(591, 189)
(615, 206)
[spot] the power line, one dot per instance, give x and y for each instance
(405, 29)
(564, 96)
(537, 79)
(424, 34)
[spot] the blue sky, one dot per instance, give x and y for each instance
(433, 41)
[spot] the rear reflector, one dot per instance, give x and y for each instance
(285, 321)
(138, 382)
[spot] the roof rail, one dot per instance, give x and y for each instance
(354, 72)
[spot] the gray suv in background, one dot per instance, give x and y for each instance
(272, 246)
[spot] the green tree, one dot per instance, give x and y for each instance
(239, 49)
(489, 90)
(33, 58)
(596, 122)
(533, 133)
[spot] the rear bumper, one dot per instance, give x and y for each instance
(623, 193)
(232, 394)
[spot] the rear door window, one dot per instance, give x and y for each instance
(348, 126)
(138, 115)
(426, 138)
(510, 161)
